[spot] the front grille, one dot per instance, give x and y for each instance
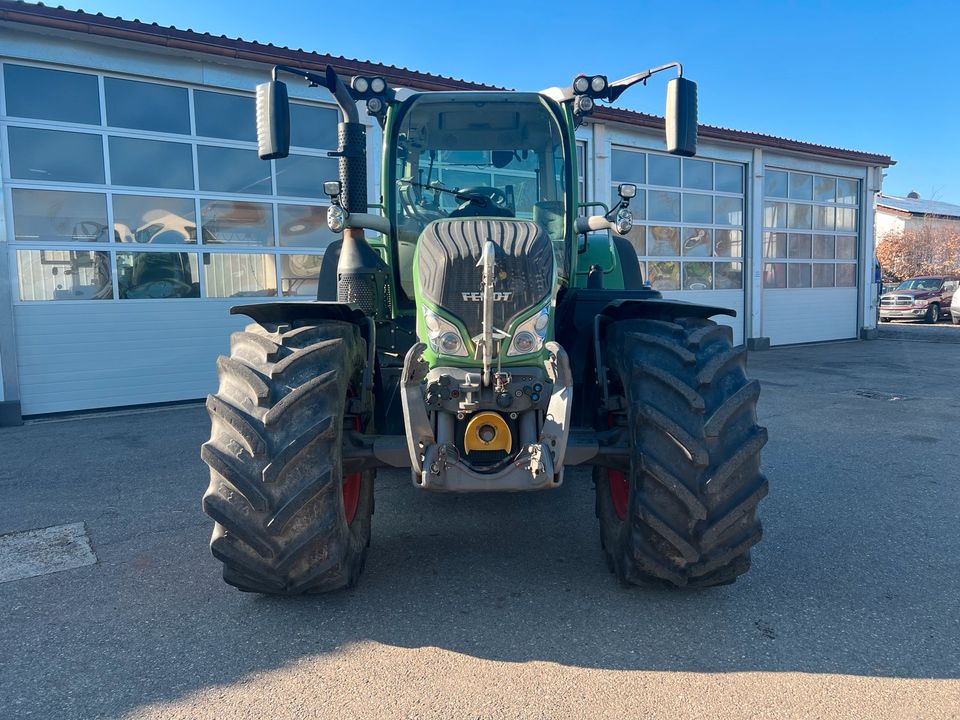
(896, 301)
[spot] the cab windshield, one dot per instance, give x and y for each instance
(460, 157)
(920, 284)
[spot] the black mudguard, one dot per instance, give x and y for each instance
(582, 316)
(280, 312)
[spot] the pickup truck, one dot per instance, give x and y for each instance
(924, 298)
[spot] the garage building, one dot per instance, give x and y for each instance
(135, 211)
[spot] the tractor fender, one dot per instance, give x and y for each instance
(290, 312)
(635, 309)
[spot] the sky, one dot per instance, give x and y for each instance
(877, 76)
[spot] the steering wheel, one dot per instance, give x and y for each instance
(497, 205)
(161, 289)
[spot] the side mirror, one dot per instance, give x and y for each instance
(273, 120)
(681, 117)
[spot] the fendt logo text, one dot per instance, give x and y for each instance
(478, 296)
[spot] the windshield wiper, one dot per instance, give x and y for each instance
(481, 200)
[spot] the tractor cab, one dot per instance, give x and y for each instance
(493, 155)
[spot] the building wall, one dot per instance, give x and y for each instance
(78, 331)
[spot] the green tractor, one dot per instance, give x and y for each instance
(485, 331)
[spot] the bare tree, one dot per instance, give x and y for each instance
(931, 249)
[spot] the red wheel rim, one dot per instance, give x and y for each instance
(351, 481)
(619, 491)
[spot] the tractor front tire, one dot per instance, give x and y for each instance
(685, 513)
(287, 520)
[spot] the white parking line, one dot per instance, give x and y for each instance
(46, 550)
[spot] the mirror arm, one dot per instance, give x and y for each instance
(332, 82)
(617, 88)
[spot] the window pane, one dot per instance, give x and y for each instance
(664, 170)
(224, 116)
(775, 214)
(663, 241)
(847, 191)
(798, 245)
(697, 276)
(236, 222)
(151, 163)
(52, 155)
(801, 186)
(846, 275)
(846, 219)
(697, 208)
(157, 275)
(637, 238)
(823, 246)
(313, 127)
(146, 106)
(729, 178)
(628, 167)
(64, 275)
(664, 206)
(729, 276)
(155, 220)
(240, 275)
(728, 243)
(51, 94)
(664, 275)
(524, 189)
(774, 245)
(799, 216)
(233, 171)
(55, 216)
(696, 242)
(697, 174)
(774, 275)
(798, 275)
(846, 247)
(729, 210)
(304, 226)
(823, 275)
(299, 274)
(303, 176)
(775, 183)
(824, 189)
(824, 217)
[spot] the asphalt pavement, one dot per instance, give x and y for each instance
(501, 606)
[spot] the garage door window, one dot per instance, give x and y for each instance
(810, 226)
(688, 215)
(109, 175)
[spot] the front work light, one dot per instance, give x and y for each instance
(598, 84)
(624, 221)
(378, 85)
(581, 84)
(360, 84)
(336, 218)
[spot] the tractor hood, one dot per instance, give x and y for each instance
(448, 255)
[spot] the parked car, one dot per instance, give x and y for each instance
(955, 309)
(925, 298)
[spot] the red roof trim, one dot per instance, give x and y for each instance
(60, 18)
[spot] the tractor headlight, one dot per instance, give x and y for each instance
(360, 84)
(336, 218)
(443, 336)
(531, 333)
(581, 84)
(598, 83)
(378, 85)
(624, 221)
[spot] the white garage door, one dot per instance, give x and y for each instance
(688, 230)
(810, 240)
(138, 212)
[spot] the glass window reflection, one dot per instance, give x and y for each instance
(236, 222)
(299, 275)
(232, 170)
(221, 115)
(304, 226)
(64, 275)
(45, 94)
(146, 106)
(157, 275)
(57, 216)
(146, 219)
(55, 156)
(151, 163)
(240, 275)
